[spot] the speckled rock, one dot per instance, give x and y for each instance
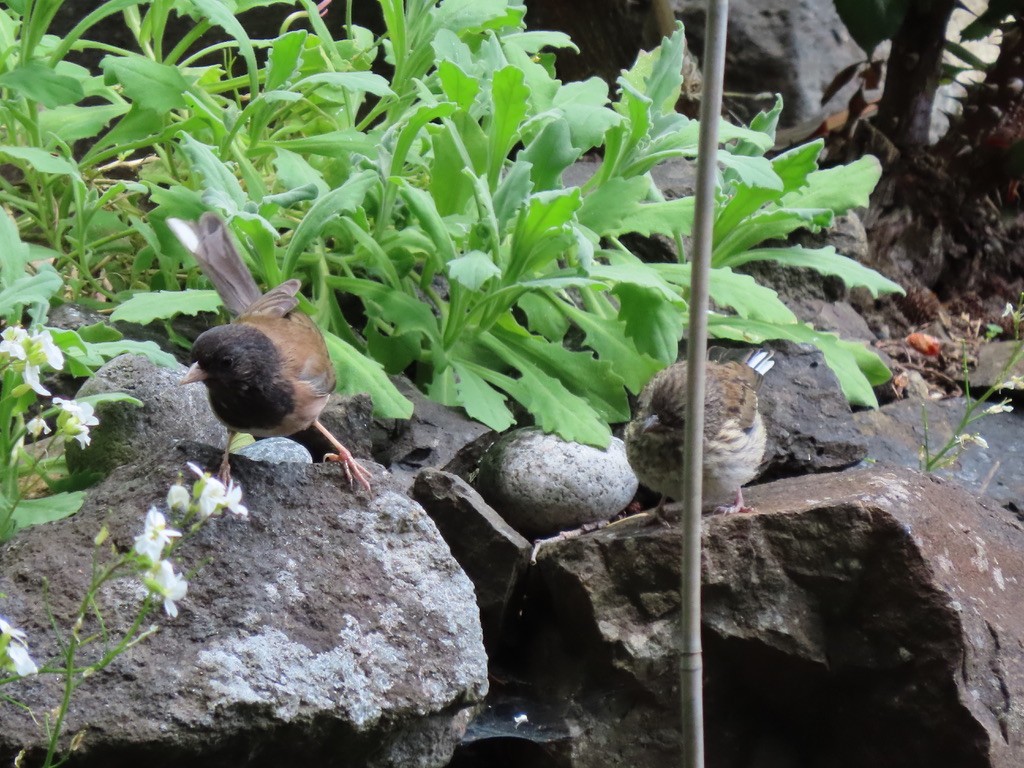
(277, 450)
(328, 628)
(169, 414)
(542, 484)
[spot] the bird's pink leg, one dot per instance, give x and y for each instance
(345, 457)
(224, 474)
(738, 506)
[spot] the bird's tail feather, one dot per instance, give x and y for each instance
(209, 242)
(761, 360)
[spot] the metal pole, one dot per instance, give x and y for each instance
(691, 665)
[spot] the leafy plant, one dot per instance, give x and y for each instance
(427, 215)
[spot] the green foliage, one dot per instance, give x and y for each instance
(434, 201)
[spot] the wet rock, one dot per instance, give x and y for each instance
(169, 414)
(857, 618)
(541, 484)
(326, 624)
(490, 551)
(895, 435)
(277, 450)
(431, 438)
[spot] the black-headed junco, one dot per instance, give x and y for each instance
(734, 434)
(268, 371)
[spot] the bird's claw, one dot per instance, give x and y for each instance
(353, 469)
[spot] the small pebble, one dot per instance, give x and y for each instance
(277, 450)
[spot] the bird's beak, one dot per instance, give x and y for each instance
(195, 373)
(651, 423)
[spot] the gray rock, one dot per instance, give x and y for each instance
(277, 450)
(994, 366)
(846, 606)
(325, 625)
(810, 426)
(895, 435)
(431, 438)
(776, 46)
(170, 413)
(542, 484)
(493, 555)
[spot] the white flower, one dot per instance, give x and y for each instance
(213, 496)
(155, 536)
(37, 427)
(178, 498)
(44, 347)
(32, 351)
(13, 344)
(170, 585)
(965, 440)
(1007, 310)
(1002, 407)
(14, 647)
(23, 664)
(74, 421)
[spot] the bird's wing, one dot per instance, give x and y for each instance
(301, 345)
(734, 385)
(277, 302)
(208, 241)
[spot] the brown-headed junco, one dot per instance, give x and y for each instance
(734, 434)
(267, 372)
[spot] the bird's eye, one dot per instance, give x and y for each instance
(227, 361)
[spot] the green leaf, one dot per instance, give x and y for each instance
(752, 171)
(345, 199)
(840, 188)
(28, 290)
(41, 160)
(338, 144)
(146, 307)
(550, 153)
(768, 225)
(72, 123)
(220, 14)
(473, 269)
(824, 260)
(508, 96)
(609, 339)
(216, 174)
(585, 110)
(795, 165)
(149, 84)
(479, 399)
(357, 373)
(284, 59)
(654, 324)
(107, 350)
(362, 82)
(38, 82)
(747, 297)
(47, 509)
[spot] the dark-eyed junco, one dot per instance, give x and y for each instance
(734, 434)
(268, 371)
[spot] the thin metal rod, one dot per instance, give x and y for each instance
(691, 665)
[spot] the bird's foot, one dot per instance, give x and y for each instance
(224, 473)
(353, 469)
(564, 536)
(738, 507)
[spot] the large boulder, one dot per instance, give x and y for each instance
(329, 626)
(861, 618)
